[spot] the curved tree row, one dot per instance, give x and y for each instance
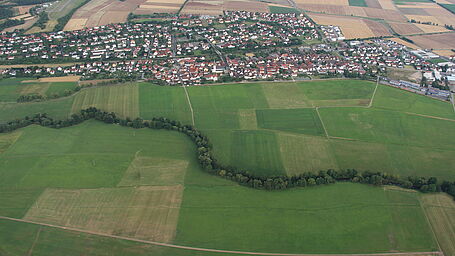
(210, 164)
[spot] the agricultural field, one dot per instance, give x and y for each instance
(146, 184)
(67, 181)
(12, 89)
(351, 27)
(438, 41)
(103, 12)
(214, 7)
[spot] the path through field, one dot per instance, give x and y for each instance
(213, 250)
(189, 103)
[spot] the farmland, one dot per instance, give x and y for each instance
(92, 197)
(82, 175)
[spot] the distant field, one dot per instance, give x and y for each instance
(123, 100)
(280, 9)
(246, 122)
(360, 3)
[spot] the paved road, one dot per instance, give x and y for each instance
(210, 250)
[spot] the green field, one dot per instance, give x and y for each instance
(87, 168)
(360, 3)
(450, 7)
(12, 89)
(280, 9)
(263, 128)
(243, 120)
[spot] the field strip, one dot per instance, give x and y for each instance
(322, 122)
(189, 103)
(374, 93)
(427, 116)
(30, 251)
(429, 224)
(210, 250)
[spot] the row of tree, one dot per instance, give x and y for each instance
(210, 164)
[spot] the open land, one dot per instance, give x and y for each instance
(352, 27)
(85, 176)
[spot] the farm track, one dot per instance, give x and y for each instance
(207, 249)
(189, 104)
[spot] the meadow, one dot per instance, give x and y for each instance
(84, 177)
(264, 128)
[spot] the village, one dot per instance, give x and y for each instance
(197, 50)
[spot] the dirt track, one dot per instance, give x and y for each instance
(212, 250)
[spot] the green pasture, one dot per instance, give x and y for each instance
(360, 3)
(214, 213)
(280, 9)
(271, 128)
(346, 218)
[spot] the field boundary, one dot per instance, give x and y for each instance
(374, 93)
(189, 103)
(322, 122)
(207, 249)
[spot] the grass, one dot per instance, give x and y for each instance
(257, 152)
(59, 108)
(46, 172)
(399, 100)
(304, 120)
(10, 90)
(360, 3)
(169, 102)
(58, 88)
(280, 9)
(410, 1)
(149, 213)
(450, 7)
(440, 210)
(346, 218)
(123, 100)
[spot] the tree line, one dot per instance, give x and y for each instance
(211, 165)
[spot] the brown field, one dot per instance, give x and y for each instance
(373, 4)
(352, 27)
(436, 41)
(151, 171)
(377, 28)
(390, 15)
(324, 2)
(387, 4)
(159, 6)
(103, 12)
(405, 28)
(75, 24)
(431, 29)
(38, 65)
(444, 16)
(446, 53)
(413, 11)
(440, 211)
(423, 18)
(143, 212)
(245, 6)
(405, 43)
(36, 88)
(60, 79)
(216, 7)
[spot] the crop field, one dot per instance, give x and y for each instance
(352, 27)
(213, 205)
(103, 12)
(83, 176)
(440, 210)
(123, 100)
(146, 212)
(437, 41)
(215, 7)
